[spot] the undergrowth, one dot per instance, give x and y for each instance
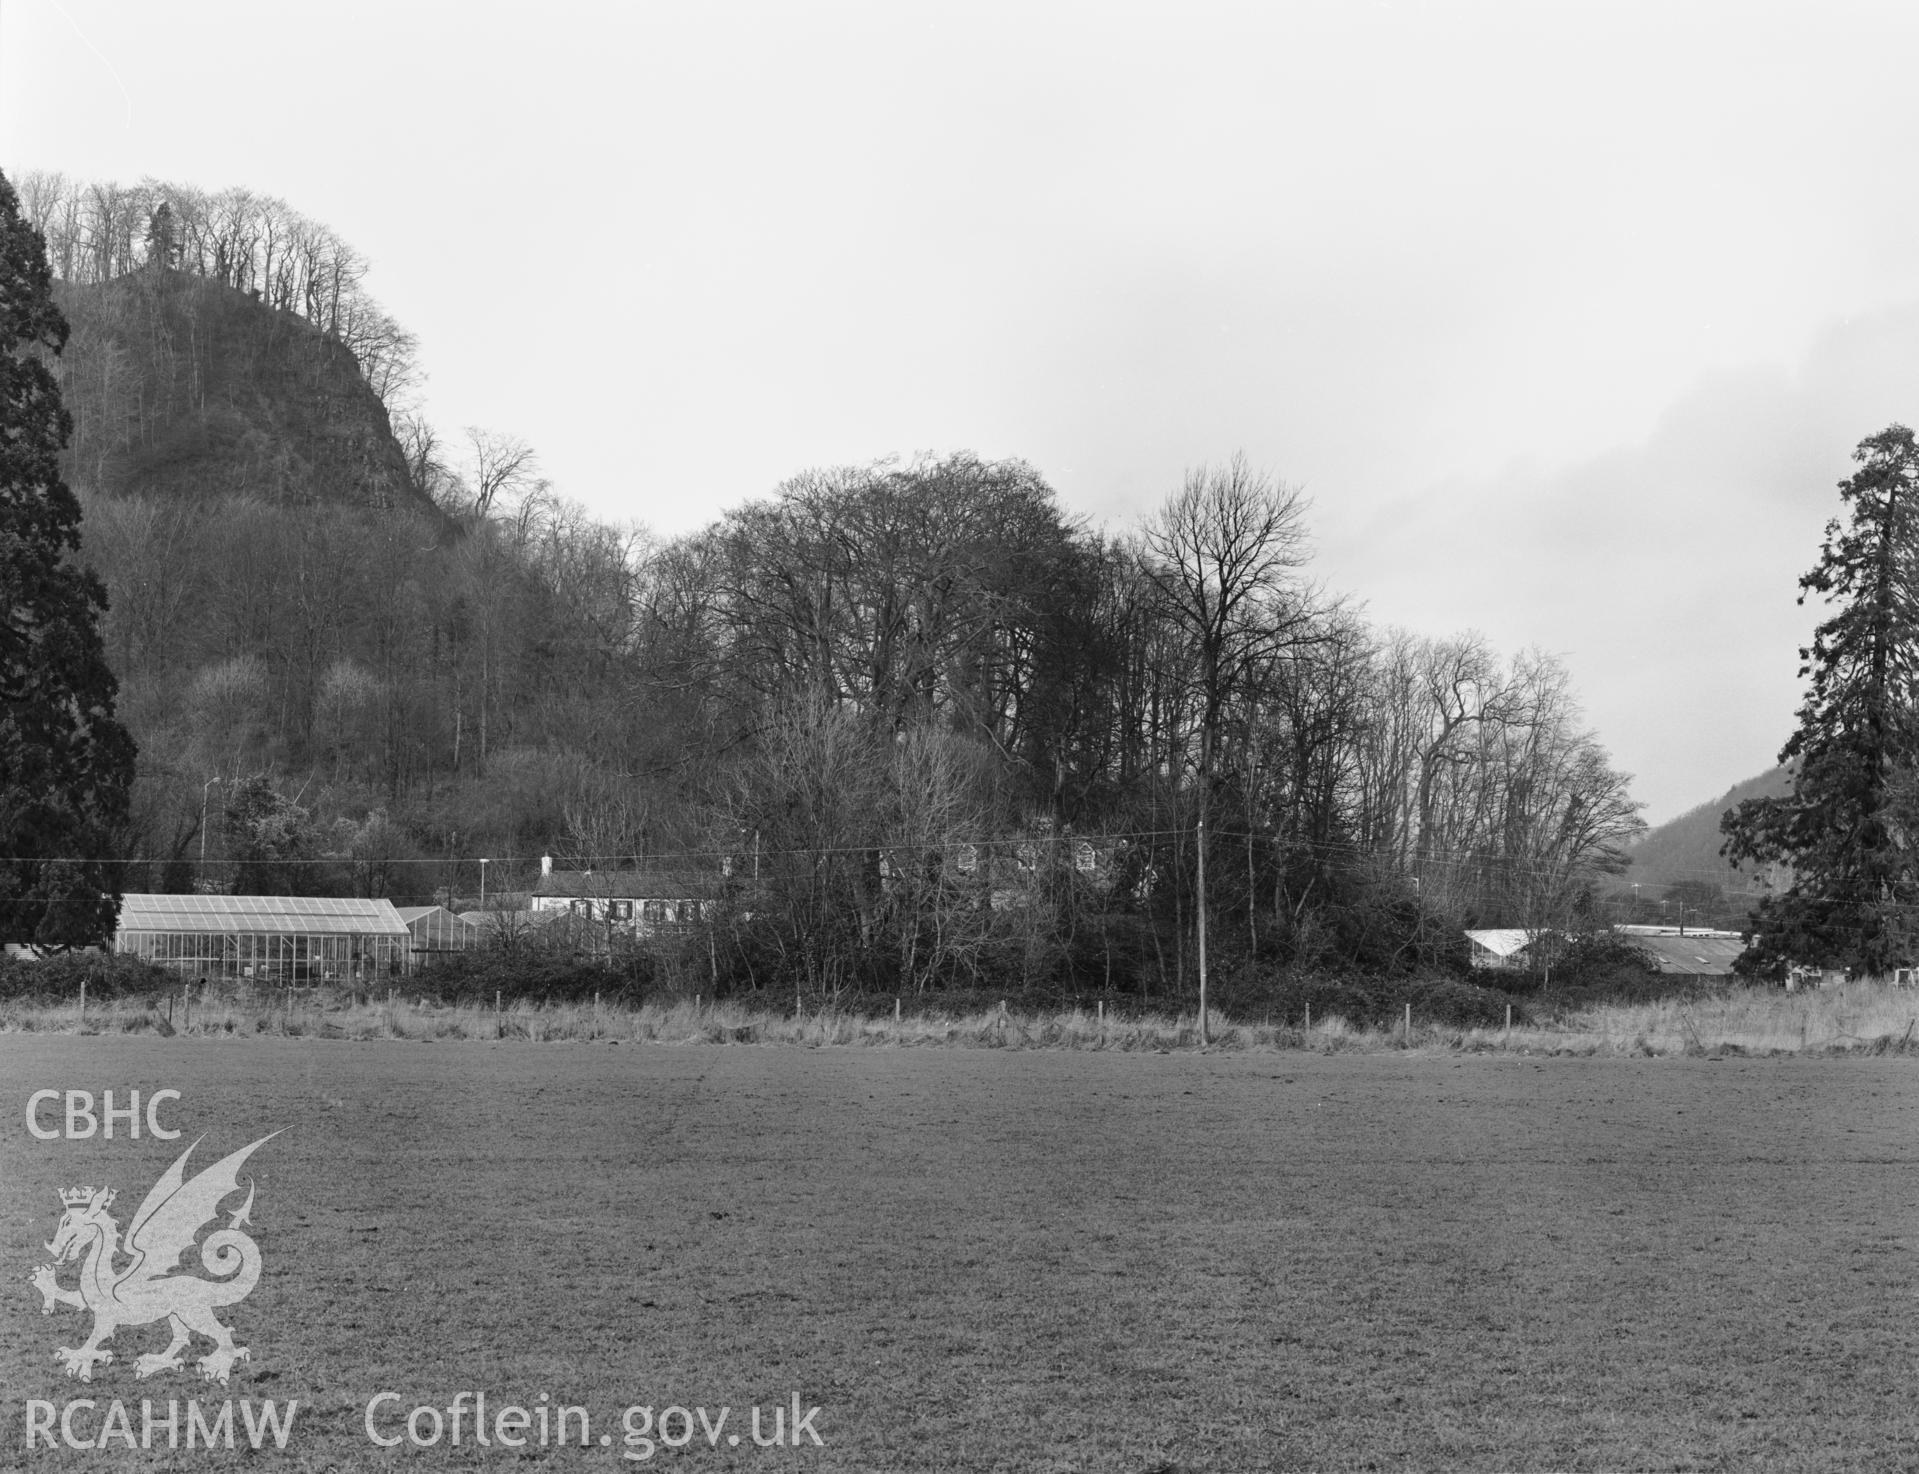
(1858, 1018)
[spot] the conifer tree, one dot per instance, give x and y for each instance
(1854, 879)
(66, 764)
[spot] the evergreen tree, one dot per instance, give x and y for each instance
(163, 239)
(1854, 887)
(66, 765)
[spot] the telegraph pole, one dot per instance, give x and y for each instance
(1203, 1039)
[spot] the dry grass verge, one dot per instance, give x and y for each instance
(1860, 1018)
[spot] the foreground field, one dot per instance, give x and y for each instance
(1022, 1260)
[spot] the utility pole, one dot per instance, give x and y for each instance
(1202, 920)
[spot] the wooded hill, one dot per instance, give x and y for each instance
(964, 739)
(182, 388)
(1676, 870)
(1687, 848)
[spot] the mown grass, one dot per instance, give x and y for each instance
(1059, 1260)
(1870, 1018)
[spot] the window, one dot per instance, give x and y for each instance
(620, 910)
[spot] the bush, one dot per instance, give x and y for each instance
(1367, 1002)
(527, 974)
(1605, 968)
(57, 978)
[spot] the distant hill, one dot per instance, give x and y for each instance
(1687, 848)
(183, 387)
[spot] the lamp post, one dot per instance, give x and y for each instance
(483, 882)
(205, 788)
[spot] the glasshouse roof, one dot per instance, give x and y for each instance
(308, 915)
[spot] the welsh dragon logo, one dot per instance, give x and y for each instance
(146, 1288)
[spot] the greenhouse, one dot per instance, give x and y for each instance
(283, 940)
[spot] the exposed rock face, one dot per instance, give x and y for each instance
(181, 386)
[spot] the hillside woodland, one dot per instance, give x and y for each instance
(1680, 864)
(910, 723)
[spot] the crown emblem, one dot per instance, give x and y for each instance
(79, 1197)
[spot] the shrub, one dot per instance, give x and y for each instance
(528, 974)
(108, 975)
(1364, 1001)
(1605, 968)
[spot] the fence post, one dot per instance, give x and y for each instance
(1309, 1018)
(1509, 1022)
(1409, 1023)
(896, 1010)
(83, 998)
(1102, 1013)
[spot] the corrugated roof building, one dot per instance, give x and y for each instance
(1693, 953)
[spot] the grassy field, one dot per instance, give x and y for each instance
(1024, 1260)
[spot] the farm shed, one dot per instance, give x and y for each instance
(435, 930)
(1693, 953)
(277, 939)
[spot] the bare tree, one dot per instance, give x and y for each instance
(502, 464)
(1224, 555)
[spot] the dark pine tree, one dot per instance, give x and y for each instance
(1853, 891)
(163, 239)
(66, 765)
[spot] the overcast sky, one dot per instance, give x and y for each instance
(1566, 317)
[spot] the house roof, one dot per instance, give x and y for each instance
(260, 915)
(621, 885)
(1503, 941)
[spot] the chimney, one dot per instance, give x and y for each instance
(546, 864)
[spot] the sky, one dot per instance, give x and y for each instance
(1566, 318)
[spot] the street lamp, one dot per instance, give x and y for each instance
(205, 788)
(483, 882)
